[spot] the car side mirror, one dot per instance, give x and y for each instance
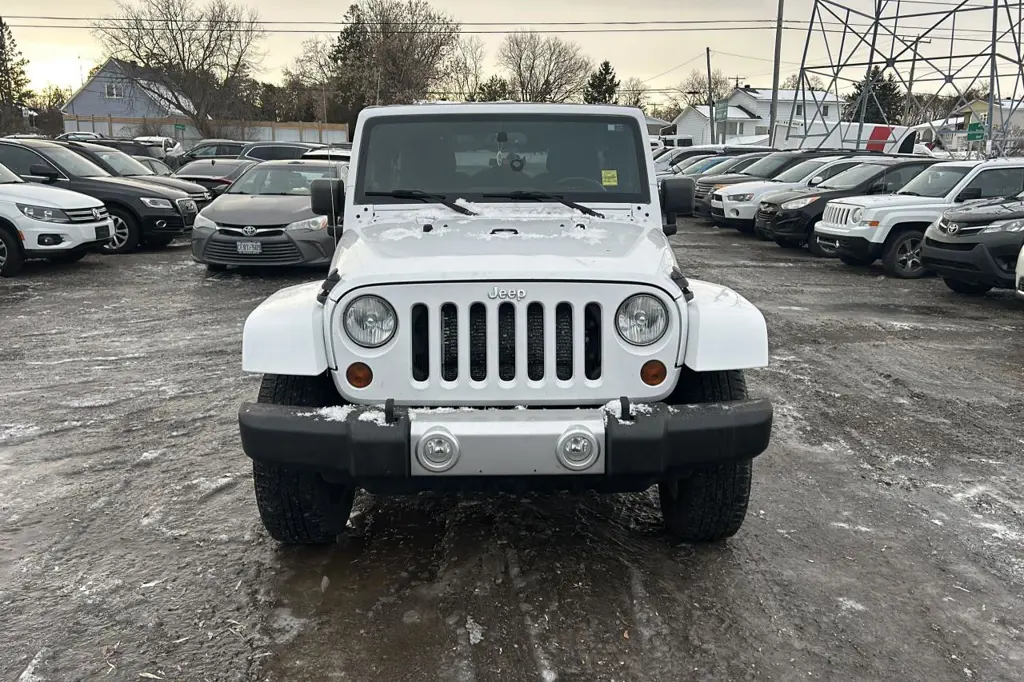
(218, 190)
(45, 172)
(327, 197)
(815, 181)
(969, 194)
(677, 195)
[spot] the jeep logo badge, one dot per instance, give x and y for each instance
(507, 294)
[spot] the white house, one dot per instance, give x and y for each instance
(694, 121)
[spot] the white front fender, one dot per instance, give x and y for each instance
(725, 330)
(285, 334)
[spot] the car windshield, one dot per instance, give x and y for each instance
(205, 169)
(707, 165)
(281, 180)
(800, 171)
(935, 181)
(853, 177)
(769, 166)
(73, 163)
(7, 177)
(687, 164)
(665, 161)
(493, 157)
(122, 163)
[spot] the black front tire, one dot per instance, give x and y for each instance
(902, 255)
(12, 258)
(710, 504)
(299, 507)
(966, 288)
(127, 233)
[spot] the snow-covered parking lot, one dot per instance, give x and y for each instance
(885, 538)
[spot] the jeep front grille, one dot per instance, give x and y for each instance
(836, 215)
(512, 323)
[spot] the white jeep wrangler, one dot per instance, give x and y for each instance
(892, 227)
(503, 311)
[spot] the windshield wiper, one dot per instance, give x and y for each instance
(422, 196)
(543, 196)
(909, 194)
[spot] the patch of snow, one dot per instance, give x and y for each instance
(792, 307)
(614, 408)
(286, 626)
(850, 605)
(149, 456)
(398, 233)
(937, 522)
(337, 413)
(11, 431)
(29, 673)
(476, 632)
(859, 529)
(375, 416)
(1001, 532)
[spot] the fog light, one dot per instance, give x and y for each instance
(50, 239)
(653, 373)
(577, 449)
(161, 224)
(359, 375)
(437, 450)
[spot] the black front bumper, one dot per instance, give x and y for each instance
(981, 260)
(857, 248)
(276, 249)
(166, 224)
(662, 443)
(785, 224)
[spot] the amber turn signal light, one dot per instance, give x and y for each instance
(359, 375)
(653, 373)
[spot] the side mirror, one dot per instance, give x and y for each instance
(218, 190)
(327, 197)
(677, 195)
(969, 194)
(815, 181)
(669, 224)
(43, 171)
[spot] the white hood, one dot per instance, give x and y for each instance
(890, 200)
(50, 197)
(760, 188)
(486, 248)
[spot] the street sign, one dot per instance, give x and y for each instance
(722, 111)
(975, 132)
(179, 126)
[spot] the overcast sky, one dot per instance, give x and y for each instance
(63, 56)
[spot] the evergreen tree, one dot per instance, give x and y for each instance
(13, 81)
(602, 86)
(494, 89)
(885, 100)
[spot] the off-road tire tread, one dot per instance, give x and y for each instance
(298, 506)
(710, 504)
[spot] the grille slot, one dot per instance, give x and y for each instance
(449, 342)
(563, 341)
(592, 341)
(506, 342)
(420, 346)
(85, 215)
(535, 341)
(227, 252)
(478, 342)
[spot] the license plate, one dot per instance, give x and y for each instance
(760, 223)
(249, 248)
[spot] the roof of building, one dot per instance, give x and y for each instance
(765, 95)
(735, 113)
(145, 78)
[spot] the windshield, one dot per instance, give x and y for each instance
(665, 161)
(206, 169)
(73, 163)
(687, 164)
(6, 176)
(853, 177)
(122, 163)
(800, 171)
(706, 165)
(586, 158)
(280, 180)
(769, 166)
(935, 182)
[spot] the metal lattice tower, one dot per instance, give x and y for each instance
(943, 56)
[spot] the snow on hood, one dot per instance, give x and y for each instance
(889, 200)
(759, 187)
(514, 244)
(52, 197)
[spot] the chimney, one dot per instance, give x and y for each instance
(746, 86)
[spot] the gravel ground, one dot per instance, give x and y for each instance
(884, 539)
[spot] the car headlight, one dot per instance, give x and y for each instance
(740, 197)
(856, 215)
(203, 221)
(370, 321)
(316, 223)
(641, 320)
(44, 213)
(154, 202)
(1006, 226)
(798, 203)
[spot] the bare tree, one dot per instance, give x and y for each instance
(633, 93)
(463, 71)
(693, 91)
(793, 82)
(185, 56)
(544, 68)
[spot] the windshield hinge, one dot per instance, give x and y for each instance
(682, 283)
(329, 283)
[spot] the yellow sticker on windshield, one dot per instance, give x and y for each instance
(610, 178)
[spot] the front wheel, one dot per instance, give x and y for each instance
(902, 256)
(11, 257)
(299, 507)
(968, 288)
(126, 234)
(710, 504)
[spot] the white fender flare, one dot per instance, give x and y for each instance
(724, 330)
(285, 334)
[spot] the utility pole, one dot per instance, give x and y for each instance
(738, 78)
(711, 100)
(992, 80)
(774, 111)
(910, 82)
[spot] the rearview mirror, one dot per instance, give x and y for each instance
(816, 180)
(677, 195)
(327, 197)
(47, 173)
(969, 194)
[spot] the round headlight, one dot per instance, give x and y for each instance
(855, 216)
(370, 321)
(641, 320)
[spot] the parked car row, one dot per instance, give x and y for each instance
(962, 220)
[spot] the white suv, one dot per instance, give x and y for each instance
(46, 222)
(891, 227)
(504, 310)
